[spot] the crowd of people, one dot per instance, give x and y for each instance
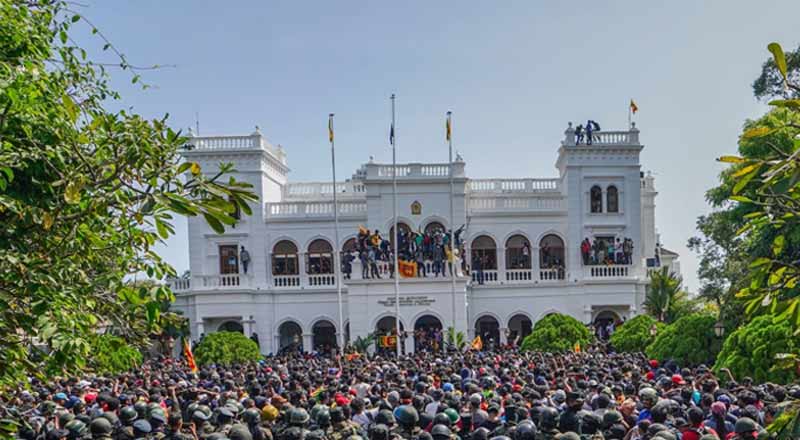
(414, 250)
(473, 395)
(607, 251)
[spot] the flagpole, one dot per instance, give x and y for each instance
(394, 234)
(337, 253)
(629, 113)
(452, 222)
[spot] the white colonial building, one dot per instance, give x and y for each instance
(528, 233)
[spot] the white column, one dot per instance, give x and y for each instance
(301, 266)
(308, 342)
(501, 264)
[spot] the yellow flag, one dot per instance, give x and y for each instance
(330, 128)
(477, 343)
(577, 347)
(448, 128)
(634, 107)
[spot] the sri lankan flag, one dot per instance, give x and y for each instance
(330, 127)
(634, 107)
(187, 353)
(448, 126)
(408, 269)
(477, 343)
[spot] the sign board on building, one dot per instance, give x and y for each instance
(407, 301)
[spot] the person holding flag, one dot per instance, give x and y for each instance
(187, 353)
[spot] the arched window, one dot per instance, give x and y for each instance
(402, 227)
(484, 253)
(596, 197)
(551, 252)
(319, 258)
(284, 258)
(432, 227)
(612, 199)
(518, 253)
(349, 246)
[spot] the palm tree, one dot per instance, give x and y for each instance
(455, 339)
(663, 293)
(362, 343)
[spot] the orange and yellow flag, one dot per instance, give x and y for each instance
(330, 128)
(477, 343)
(634, 107)
(577, 347)
(448, 127)
(187, 352)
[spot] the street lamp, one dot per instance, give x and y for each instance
(719, 329)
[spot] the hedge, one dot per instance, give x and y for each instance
(226, 348)
(751, 350)
(689, 340)
(634, 334)
(557, 333)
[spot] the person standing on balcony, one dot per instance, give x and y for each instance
(526, 255)
(578, 134)
(244, 256)
(438, 257)
(420, 258)
(619, 254)
(586, 250)
(364, 264)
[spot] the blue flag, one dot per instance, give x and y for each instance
(391, 134)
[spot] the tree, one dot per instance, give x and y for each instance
(85, 193)
(455, 339)
(635, 334)
(112, 355)
(226, 348)
(362, 343)
(664, 299)
(771, 83)
(557, 333)
(753, 350)
(690, 340)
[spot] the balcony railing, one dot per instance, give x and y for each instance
(511, 204)
(322, 280)
(225, 280)
(414, 170)
(489, 277)
(516, 276)
(551, 274)
(605, 272)
(506, 186)
(313, 209)
(603, 138)
(286, 281)
(323, 190)
(180, 284)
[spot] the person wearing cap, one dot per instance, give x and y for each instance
(694, 428)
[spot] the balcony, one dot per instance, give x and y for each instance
(607, 272)
(414, 171)
(513, 186)
(323, 191)
(551, 275)
(489, 205)
(518, 276)
(255, 141)
(603, 138)
(313, 210)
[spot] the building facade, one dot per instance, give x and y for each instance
(526, 236)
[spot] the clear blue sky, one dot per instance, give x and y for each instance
(513, 73)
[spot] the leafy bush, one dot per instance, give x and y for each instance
(634, 334)
(751, 349)
(557, 333)
(689, 340)
(112, 355)
(226, 348)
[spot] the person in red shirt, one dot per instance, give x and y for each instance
(695, 428)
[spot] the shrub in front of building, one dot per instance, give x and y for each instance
(689, 341)
(226, 348)
(634, 335)
(112, 355)
(557, 333)
(752, 350)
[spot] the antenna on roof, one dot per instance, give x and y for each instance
(197, 122)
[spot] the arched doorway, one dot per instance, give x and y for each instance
(386, 327)
(319, 259)
(324, 336)
(428, 333)
(290, 337)
(483, 257)
(488, 329)
(519, 326)
(605, 323)
(231, 326)
(518, 253)
(284, 258)
(551, 256)
(433, 227)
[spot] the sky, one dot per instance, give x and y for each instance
(513, 73)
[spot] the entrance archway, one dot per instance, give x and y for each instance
(601, 323)
(324, 336)
(386, 327)
(488, 329)
(231, 326)
(428, 333)
(290, 336)
(519, 326)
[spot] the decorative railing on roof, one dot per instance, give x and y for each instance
(502, 186)
(323, 190)
(297, 210)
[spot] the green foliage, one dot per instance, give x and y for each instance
(634, 335)
(362, 343)
(753, 350)
(226, 348)
(112, 355)
(689, 340)
(770, 83)
(665, 300)
(455, 339)
(557, 333)
(770, 185)
(85, 194)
